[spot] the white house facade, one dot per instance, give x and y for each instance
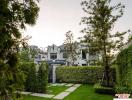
(57, 55)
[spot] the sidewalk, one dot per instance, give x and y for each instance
(60, 96)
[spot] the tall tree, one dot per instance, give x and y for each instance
(100, 20)
(130, 38)
(27, 54)
(14, 15)
(70, 47)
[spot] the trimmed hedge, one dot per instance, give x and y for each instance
(103, 90)
(124, 71)
(80, 74)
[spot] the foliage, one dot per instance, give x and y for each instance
(36, 80)
(10, 80)
(27, 54)
(98, 33)
(130, 38)
(103, 90)
(42, 77)
(23, 55)
(70, 47)
(79, 74)
(14, 15)
(31, 79)
(123, 89)
(124, 69)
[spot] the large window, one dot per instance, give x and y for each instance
(39, 56)
(53, 55)
(64, 55)
(83, 54)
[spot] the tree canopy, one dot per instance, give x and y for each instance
(14, 15)
(70, 47)
(100, 20)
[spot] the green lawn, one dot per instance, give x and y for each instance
(33, 98)
(84, 92)
(56, 89)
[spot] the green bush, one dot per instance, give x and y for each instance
(35, 81)
(124, 70)
(42, 77)
(123, 89)
(29, 69)
(79, 74)
(103, 90)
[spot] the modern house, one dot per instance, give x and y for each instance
(57, 55)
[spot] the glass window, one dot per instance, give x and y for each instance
(53, 55)
(83, 54)
(64, 55)
(39, 56)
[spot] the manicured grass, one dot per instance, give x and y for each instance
(56, 89)
(86, 92)
(27, 97)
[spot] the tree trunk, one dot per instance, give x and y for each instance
(106, 78)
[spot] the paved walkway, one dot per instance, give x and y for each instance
(62, 95)
(38, 94)
(42, 95)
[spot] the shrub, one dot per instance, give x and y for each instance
(29, 69)
(103, 90)
(79, 74)
(42, 77)
(124, 70)
(30, 72)
(35, 81)
(123, 89)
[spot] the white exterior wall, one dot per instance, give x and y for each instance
(79, 60)
(57, 49)
(53, 49)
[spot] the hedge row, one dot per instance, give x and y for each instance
(80, 74)
(124, 71)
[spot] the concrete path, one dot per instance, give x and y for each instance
(71, 89)
(42, 95)
(25, 93)
(58, 84)
(38, 94)
(69, 84)
(62, 95)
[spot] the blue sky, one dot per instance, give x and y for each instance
(56, 17)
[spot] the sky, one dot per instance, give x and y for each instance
(56, 17)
